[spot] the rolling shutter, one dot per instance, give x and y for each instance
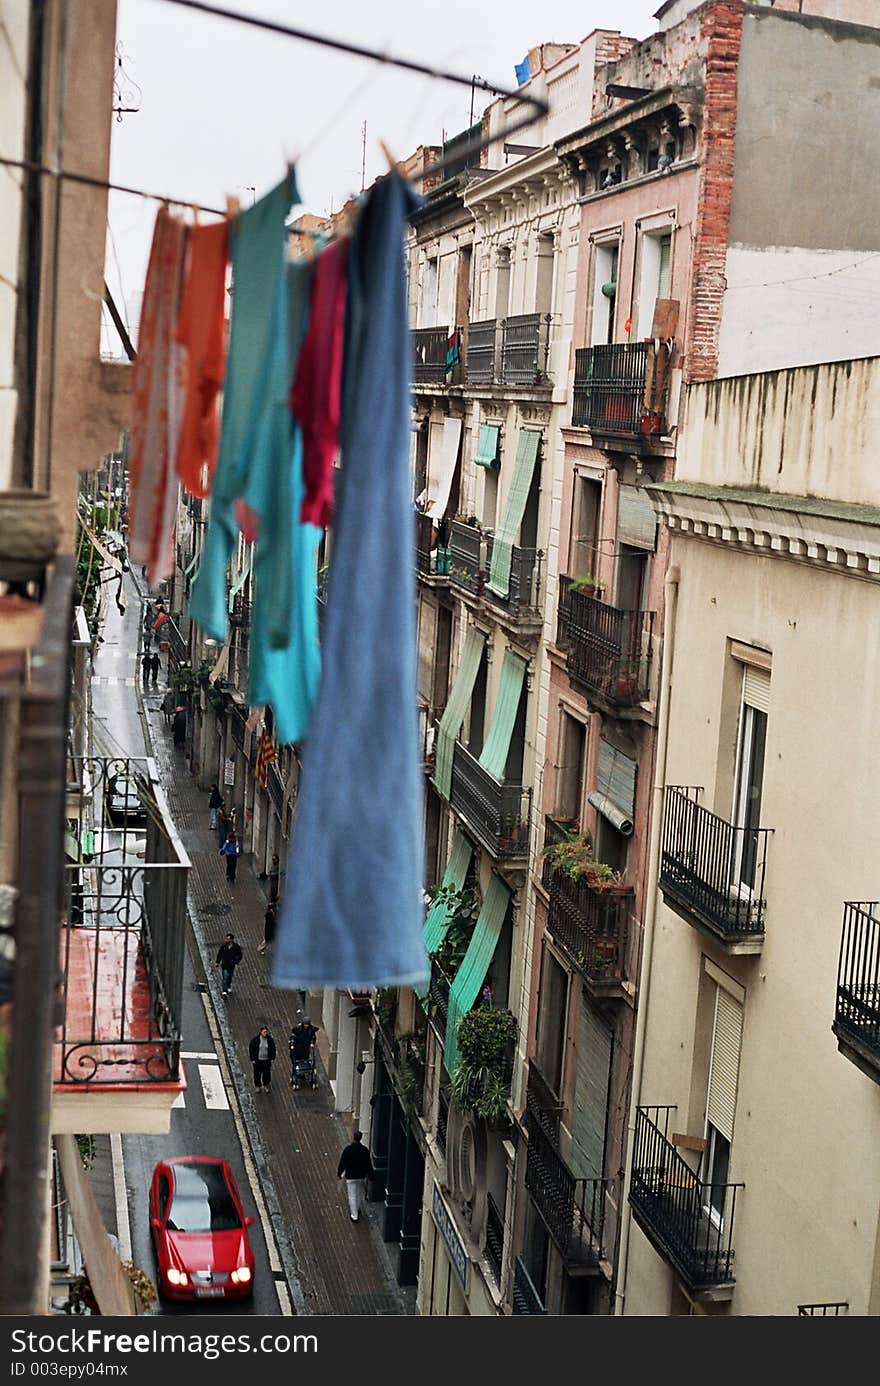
(756, 688)
(724, 1064)
(450, 723)
(615, 792)
(493, 756)
(508, 531)
(589, 1118)
(487, 447)
(476, 962)
(636, 518)
(442, 457)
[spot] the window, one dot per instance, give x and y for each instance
(570, 767)
(749, 775)
(604, 292)
(502, 284)
(656, 258)
(632, 578)
(611, 844)
(583, 554)
(477, 718)
(727, 1026)
(550, 1042)
(544, 280)
(428, 315)
(490, 497)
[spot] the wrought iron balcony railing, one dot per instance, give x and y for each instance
(592, 925)
(621, 389)
(429, 355)
(240, 615)
(438, 1000)
(524, 590)
(466, 557)
(480, 364)
(542, 1106)
(526, 1299)
(857, 1013)
(609, 651)
(689, 1221)
(170, 632)
(497, 814)
(442, 1119)
(432, 560)
(555, 830)
(573, 1210)
(713, 870)
(525, 344)
(494, 1244)
(833, 1309)
(123, 938)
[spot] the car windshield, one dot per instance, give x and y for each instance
(125, 789)
(202, 1201)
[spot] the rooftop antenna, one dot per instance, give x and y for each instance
(363, 155)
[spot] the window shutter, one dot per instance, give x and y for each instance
(590, 1115)
(724, 1064)
(636, 518)
(756, 688)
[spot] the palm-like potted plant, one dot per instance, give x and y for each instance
(479, 1083)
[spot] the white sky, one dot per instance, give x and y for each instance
(224, 106)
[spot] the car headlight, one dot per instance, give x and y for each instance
(241, 1276)
(176, 1277)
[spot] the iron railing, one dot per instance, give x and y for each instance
(542, 1105)
(592, 926)
(524, 590)
(525, 342)
(432, 560)
(442, 1119)
(429, 355)
(494, 1244)
(123, 944)
(438, 1000)
(556, 830)
(621, 389)
(170, 632)
(688, 1220)
(833, 1309)
(572, 1210)
(480, 364)
(240, 614)
(857, 1012)
(429, 716)
(465, 557)
(497, 814)
(609, 650)
(712, 869)
(526, 1299)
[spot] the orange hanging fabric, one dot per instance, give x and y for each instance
(156, 404)
(201, 331)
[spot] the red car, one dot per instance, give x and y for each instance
(199, 1230)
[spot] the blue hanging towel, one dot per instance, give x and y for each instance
(260, 462)
(352, 912)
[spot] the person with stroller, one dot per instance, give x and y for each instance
(302, 1053)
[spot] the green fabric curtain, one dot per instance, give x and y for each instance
(450, 723)
(239, 582)
(493, 756)
(487, 448)
(475, 964)
(438, 916)
(508, 531)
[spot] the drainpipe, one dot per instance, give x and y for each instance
(670, 609)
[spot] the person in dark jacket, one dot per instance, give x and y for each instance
(270, 919)
(229, 955)
(230, 850)
(154, 669)
(214, 803)
(274, 874)
(179, 728)
(262, 1052)
(356, 1167)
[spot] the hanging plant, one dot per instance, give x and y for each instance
(479, 1083)
(81, 1296)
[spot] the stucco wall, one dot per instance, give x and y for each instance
(807, 1121)
(800, 432)
(13, 74)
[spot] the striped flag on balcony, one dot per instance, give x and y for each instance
(265, 756)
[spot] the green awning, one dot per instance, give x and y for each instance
(239, 582)
(475, 964)
(493, 756)
(450, 723)
(192, 562)
(487, 447)
(508, 531)
(440, 913)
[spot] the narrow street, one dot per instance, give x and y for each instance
(310, 1258)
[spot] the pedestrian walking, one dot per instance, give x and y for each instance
(230, 850)
(179, 725)
(154, 668)
(169, 703)
(146, 665)
(301, 1046)
(262, 1052)
(229, 955)
(214, 803)
(224, 822)
(274, 877)
(270, 919)
(356, 1167)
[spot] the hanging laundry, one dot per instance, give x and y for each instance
(315, 396)
(352, 915)
(453, 350)
(259, 464)
(157, 404)
(201, 331)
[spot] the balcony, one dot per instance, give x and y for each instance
(523, 598)
(480, 364)
(465, 557)
(442, 1118)
(240, 614)
(572, 1210)
(526, 1299)
(493, 1248)
(429, 355)
(525, 342)
(831, 1309)
(609, 651)
(432, 561)
(429, 716)
(712, 874)
(170, 632)
(592, 925)
(689, 1222)
(857, 1013)
(497, 814)
(438, 1000)
(116, 1060)
(620, 390)
(542, 1107)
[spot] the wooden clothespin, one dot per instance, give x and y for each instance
(233, 207)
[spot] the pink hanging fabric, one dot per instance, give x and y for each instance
(201, 330)
(315, 397)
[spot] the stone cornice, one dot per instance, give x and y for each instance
(826, 534)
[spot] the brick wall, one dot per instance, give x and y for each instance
(722, 31)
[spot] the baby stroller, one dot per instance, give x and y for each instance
(303, 1068)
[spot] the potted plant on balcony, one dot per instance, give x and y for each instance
(587, 584)
(463, 907)
(479, 1084)
(570, 856)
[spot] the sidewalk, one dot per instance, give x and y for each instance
(334, 1265)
